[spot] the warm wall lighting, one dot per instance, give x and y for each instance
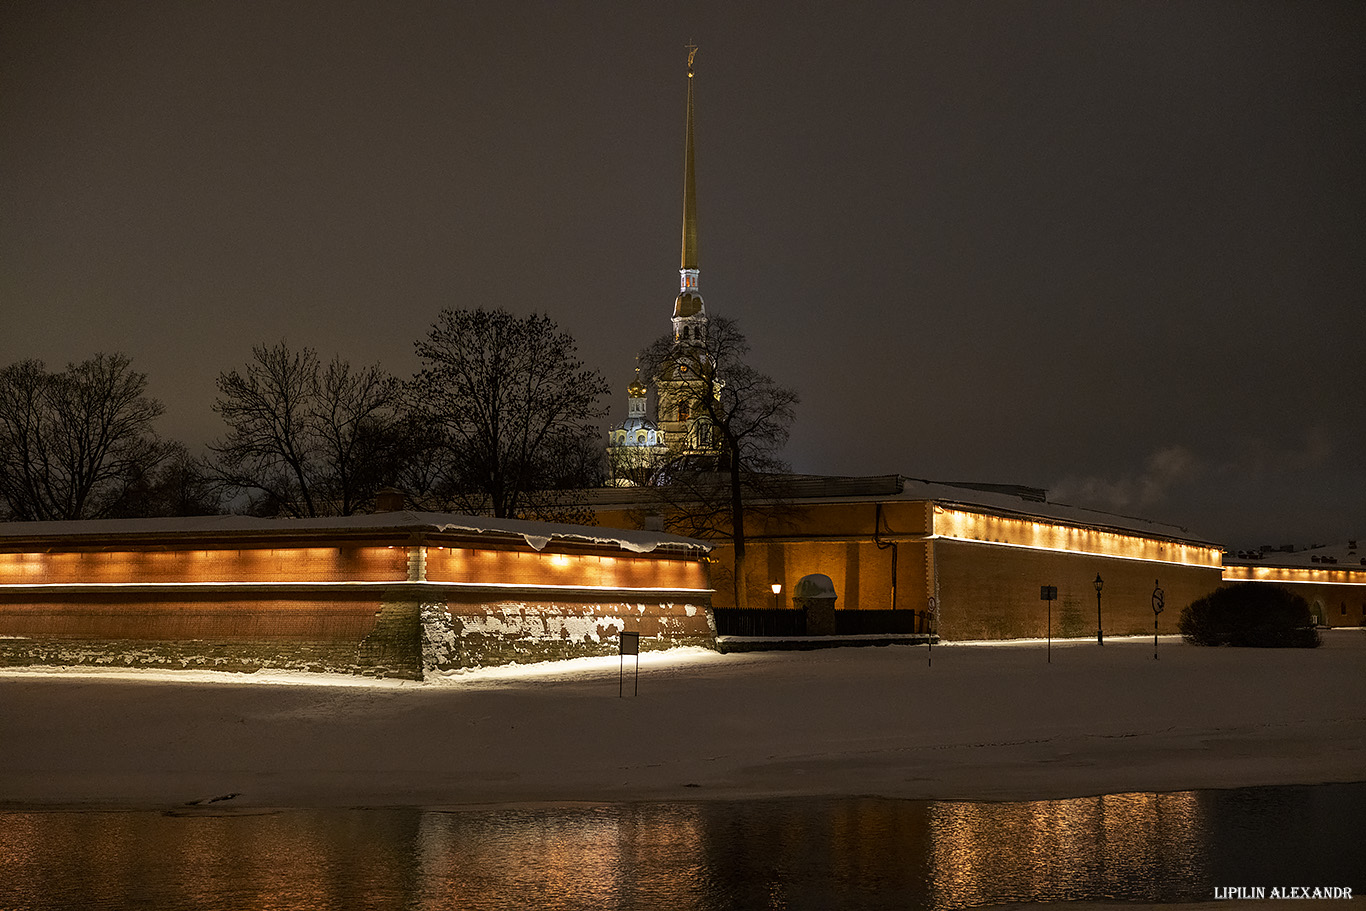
(239, 569)
(1304, 575)
(981, 528)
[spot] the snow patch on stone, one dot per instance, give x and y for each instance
(440, 644)
(515, 620)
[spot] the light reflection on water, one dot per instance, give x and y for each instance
(1096, 847)
(790, 854)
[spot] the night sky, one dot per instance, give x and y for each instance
(1113, 249)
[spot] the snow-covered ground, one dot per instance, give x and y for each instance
(984, 721)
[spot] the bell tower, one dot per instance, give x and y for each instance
(687, 430)
(638, 447)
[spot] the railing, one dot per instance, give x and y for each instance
(879, 622)
(770, 621)
(760, 621)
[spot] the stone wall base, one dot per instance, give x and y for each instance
(233, 655)
(464, 635)
(407, 639)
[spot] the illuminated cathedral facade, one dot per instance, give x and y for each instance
(638, 448)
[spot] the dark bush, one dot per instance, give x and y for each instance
(1250, 613)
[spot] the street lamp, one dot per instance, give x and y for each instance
(1099, 584)
(777, 588)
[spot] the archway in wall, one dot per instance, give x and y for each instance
(1317, 611)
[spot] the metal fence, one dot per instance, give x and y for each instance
(770, 621)
(760, 621)
(879, 622)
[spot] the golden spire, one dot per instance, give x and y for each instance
(688, 304)
(689, 182)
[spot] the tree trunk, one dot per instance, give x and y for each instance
(737, 529)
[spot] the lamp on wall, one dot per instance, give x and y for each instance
(1099, 584)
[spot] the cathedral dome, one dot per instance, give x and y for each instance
(635, 423)
(636, 431)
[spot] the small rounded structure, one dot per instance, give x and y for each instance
(816, 585)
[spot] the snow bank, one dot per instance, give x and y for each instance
(984, 721)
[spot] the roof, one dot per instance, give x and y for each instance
(536, 534)
(1348, 555)
(631, 425)
(1007, 499)
(689, 303)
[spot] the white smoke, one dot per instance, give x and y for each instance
(1162, 472)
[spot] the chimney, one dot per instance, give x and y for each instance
(390, 499)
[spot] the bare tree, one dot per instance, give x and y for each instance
(515, 407)
(739, 414)
(180, 486)
(305, 440)
(362, 429)
(73, 443)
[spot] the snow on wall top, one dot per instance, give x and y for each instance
(1336, 556)
(537, 535)
(1003, 498)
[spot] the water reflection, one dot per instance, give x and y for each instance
(561, 858)
(1054, 850)
(797, 854)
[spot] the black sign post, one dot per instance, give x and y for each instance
(1159, 602)
(1049, 593)
(630, 645)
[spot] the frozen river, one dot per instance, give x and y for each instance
(795, 853)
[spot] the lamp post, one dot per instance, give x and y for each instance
(777, 588)
(1099, 584)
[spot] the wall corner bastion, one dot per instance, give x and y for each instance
(396, 595)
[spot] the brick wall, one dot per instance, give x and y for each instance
(528, 567)
(1335, 605)
(248, 564)
(237, 632)
(992, 592)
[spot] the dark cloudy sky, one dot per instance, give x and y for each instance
(1114, 249)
